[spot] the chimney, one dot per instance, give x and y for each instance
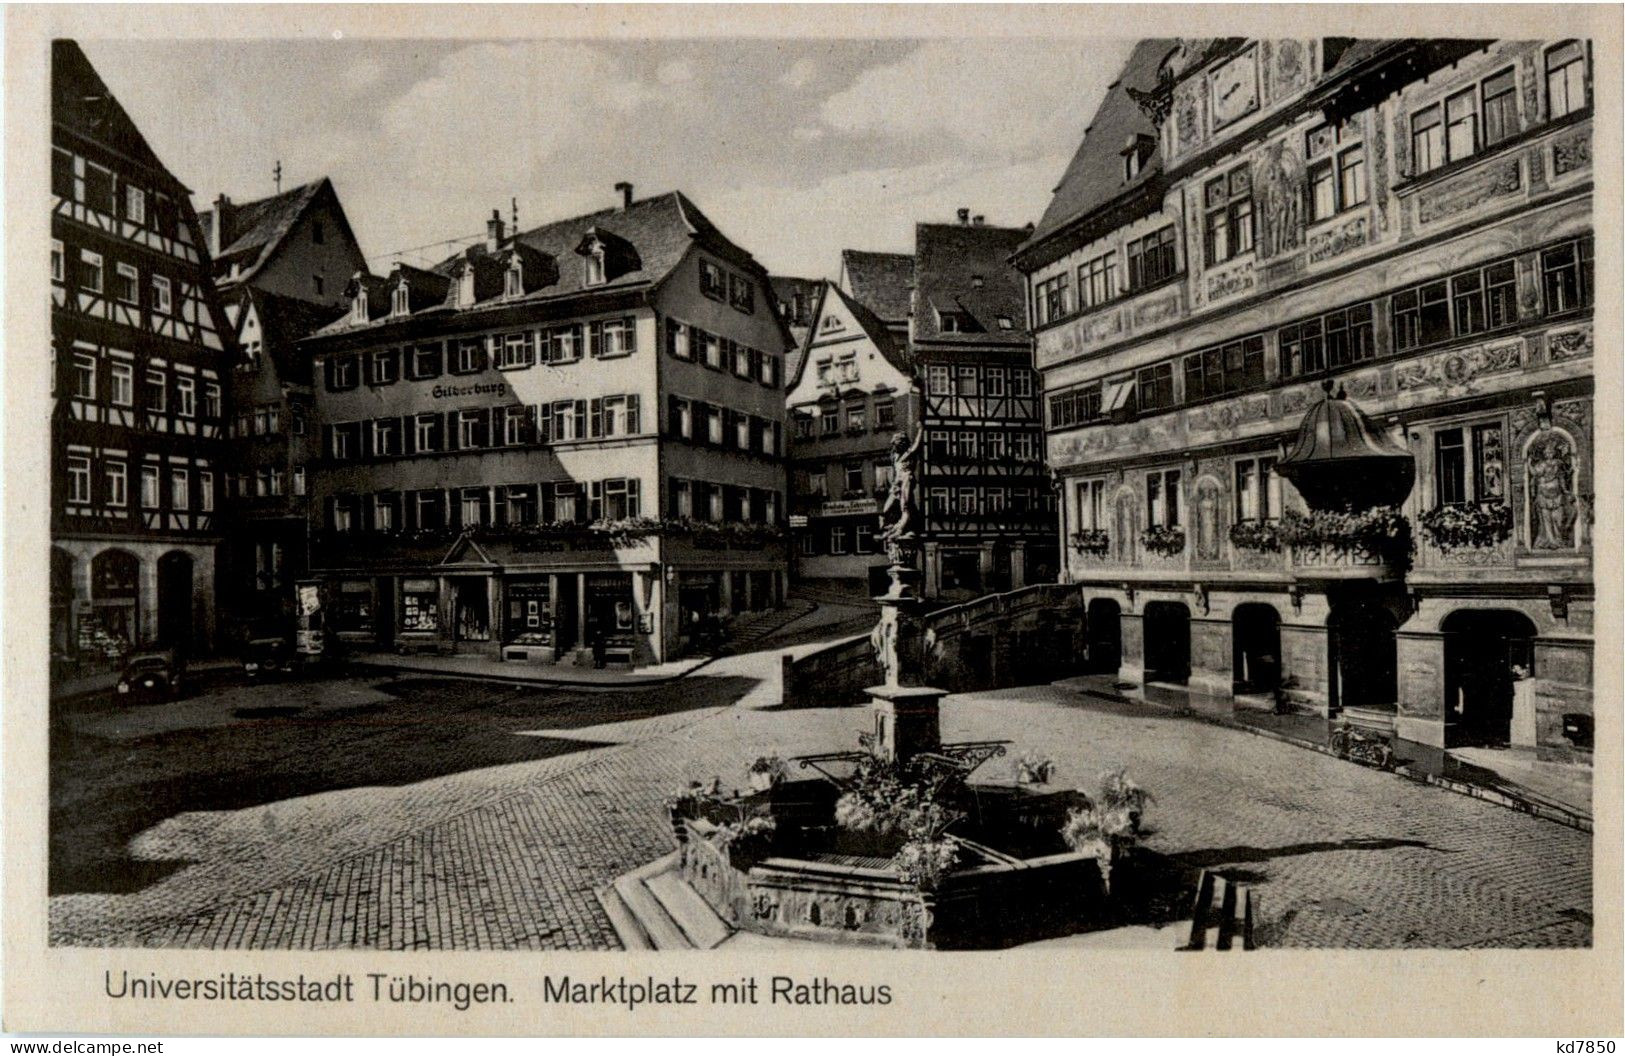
(626, 194)
(977, 219)
(964, 216)
(493, 231)
(217, 230)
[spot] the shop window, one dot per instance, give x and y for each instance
(420, 606)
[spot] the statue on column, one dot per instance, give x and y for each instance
(901, 510)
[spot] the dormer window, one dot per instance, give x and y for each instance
(402, 302)
(465, 288)
(515, 276)
(594, 265)
(955, 322)
(358, 307)
(1136, 152)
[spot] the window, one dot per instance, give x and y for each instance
(741, 358)
(713, 425)
(471, 506)
(157, 391)
(58, 261)
(296, 421)
(594, 264)
(837, 539)
(856, 415)
(317, 285)
(426, 362)
(211, 400)
(135, 204)
(803, 425)
(116, 479)
(741, 293)
(677, 340)
(863, 538)
(1469, 464)
(343, 515)
(618, 337)
(1566, 80)
(162, 296)
(400, 300)
(681, 418)
(1461, 125)
(1337, 174)
(386, 366)
(564, 344)
(205, 489)
(853, 480)
(426, 432)
(565, 420)
(90, 271)
(383, 512)
(1566, 276)
(829, 421)
(1500, 106)
(513, 281)
(1335, 339)
(186, 397)
(515, 351)
(122, 376)
(885, 414)
(343, 440)
(99, 190)
(619, 498)
(1024, 447)
(1075, 406)
(710, 348)
(1466, 303)
(1225, 368)
(1154, 387)
(1228, 204)
(1050, 298)
(713, 281)
(341, 373)
(62, 181)
(846, 367)
(1150, 259)
(468, 357)
(1427, 140)
(298, 480)
(1258, 490)
(513, 424)
(1095, 280)
(1162, 498)
(180, 489)
(472, 428)
(1021, 382)
(84, 376)
(1089, 512)
(127, 283)
(262, 482)
(78, 479)
(742, 432)
(768, 365)
(619, 416)
(386, 437)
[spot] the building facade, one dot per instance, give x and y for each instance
(141, 355)
(281, 265)
(989, 504)
(852, 394)
(1314, 321)
(565, 445)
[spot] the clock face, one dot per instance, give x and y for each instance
(1235, 89)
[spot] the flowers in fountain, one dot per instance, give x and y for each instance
(768, 770)
(1107, 825)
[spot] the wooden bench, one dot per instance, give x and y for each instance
(1223, 914)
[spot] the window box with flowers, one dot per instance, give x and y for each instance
(1164, 539)
(1378, 536)
(1259, 536)
(1093, 541)
(1467, 525)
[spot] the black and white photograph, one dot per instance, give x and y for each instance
(786, 494)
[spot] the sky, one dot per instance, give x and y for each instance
(796, 148)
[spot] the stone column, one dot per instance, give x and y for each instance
(1423, 711)
(1212, 656)
(581, 610)
(1131, 665)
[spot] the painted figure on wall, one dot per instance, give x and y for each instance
(1207, 520)
(1283, 181)
(1123, 529)
(1551, 492)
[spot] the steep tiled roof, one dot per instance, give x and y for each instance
(254, 230)
(965, 268)
(82, 103)
(283, 321)
(785, 290)
(1095, 175)
(650, 238)
(882, 281)
(895, 350)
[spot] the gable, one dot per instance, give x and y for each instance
(840, 335)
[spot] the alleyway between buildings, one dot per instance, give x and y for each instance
(412, 812)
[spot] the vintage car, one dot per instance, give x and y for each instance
(157, 673)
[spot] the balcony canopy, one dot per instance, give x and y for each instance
(1343, 462)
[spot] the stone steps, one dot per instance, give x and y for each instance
(653, 908)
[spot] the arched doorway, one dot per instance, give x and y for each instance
(1167, 642)
(1255, 634)
(61, 601)
(115, 593)
(1104, 632)
(175, 600)
(1364, 655)
(1486, 653)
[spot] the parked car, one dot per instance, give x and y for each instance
(268, 656)
(158, 673)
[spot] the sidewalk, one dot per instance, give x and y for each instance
(102, 681)
(1557, 792)
(490, 669)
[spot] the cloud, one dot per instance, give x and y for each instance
(801, 73)
(997, 100)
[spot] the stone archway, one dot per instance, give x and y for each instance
(1488, 653)
(1255, 635)
(1103, 630)
(1167, 642)
(1364, 660)
(175, 629)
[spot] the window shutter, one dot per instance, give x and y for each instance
(581, 418)
(498, 436)
(364, 440)
(595, 507)
(453, 436)
(527, 431)
(631, 330)
(596, 418)
(634, 424)
(409, 435)
(674, 416)
(544, 426)
(595, 339)
(499, 505)
(778, 439)
(634, 503)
